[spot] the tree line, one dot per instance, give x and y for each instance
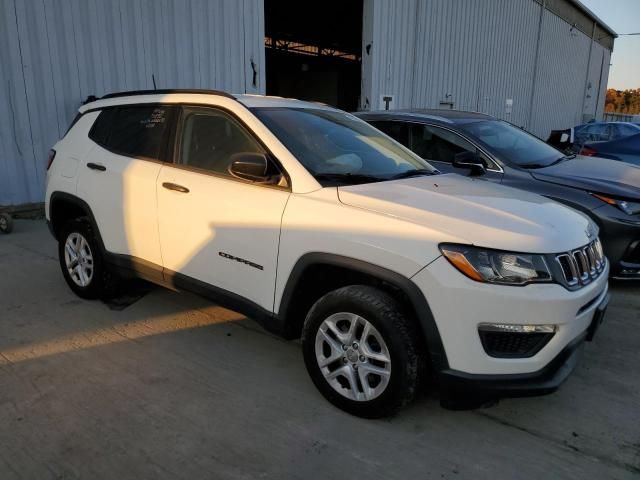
(623, 101)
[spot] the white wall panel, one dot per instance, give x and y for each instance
(478, 54)
(559, 96)
(54, 53)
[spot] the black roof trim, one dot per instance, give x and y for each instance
(133, 93)
(442, 115)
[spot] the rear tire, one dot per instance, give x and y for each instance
(82, 262)
(6, 223)
(361, 351)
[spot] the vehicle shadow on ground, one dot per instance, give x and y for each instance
(173, 386)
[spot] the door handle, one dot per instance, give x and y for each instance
(96, 166)
(175, 187)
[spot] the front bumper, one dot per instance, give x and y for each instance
(460, 304)
(620, 238)
(546, 380)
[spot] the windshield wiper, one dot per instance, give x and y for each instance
(350, 178)
(533, 165)
(562, 159)
(413, 173)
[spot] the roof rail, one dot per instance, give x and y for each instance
(132, 93)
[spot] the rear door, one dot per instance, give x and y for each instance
(217, 230)
(118, 177)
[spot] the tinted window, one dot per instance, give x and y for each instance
(329, 142)
(598, 132)
(513, 144)
(439, 144)
(210, 138)
(624, 130)
(396, 130)
(100, 130)
(75, 120)
(137, 131)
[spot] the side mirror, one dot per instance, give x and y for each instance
(250, 166)
(471, 161)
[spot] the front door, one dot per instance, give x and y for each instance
(215, 228)
(438, 146)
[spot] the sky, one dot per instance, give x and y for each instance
(623, 16)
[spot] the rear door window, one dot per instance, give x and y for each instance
(397, 130)
(135, 131)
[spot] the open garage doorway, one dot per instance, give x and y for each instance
(313, 50)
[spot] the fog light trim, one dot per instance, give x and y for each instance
(513, 328)
(501, 340)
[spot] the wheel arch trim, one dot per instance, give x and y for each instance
(419, 303)
(78, 202)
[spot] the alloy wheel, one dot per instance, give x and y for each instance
(78, 259)
(353, 356)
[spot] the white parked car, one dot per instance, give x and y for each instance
(316, 224)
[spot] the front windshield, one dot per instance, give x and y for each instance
(336, 147)
(513, 144)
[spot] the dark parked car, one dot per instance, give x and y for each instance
(608, 191)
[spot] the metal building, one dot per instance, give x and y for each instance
(541, 64)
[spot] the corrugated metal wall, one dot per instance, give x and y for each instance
(477, 55)
(54, 53)
(426, 53)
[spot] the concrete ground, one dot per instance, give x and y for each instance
(174, 387)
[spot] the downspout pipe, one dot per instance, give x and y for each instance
(543, 8)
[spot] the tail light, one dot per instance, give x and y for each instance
(52, 155)
(588, 152)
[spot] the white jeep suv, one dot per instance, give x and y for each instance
(317, 225)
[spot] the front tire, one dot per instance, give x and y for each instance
(361, 351)
(81, 260)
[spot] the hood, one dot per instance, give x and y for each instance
(459, 209)
(599, 175)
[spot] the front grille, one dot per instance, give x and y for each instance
(581, 266)
(513, 344)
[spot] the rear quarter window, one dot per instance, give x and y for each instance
(73, 123)
(135, 131)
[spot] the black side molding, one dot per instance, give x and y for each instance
(82, 205)
(133, 267)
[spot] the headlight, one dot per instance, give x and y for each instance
(494, 266)
(630, 208)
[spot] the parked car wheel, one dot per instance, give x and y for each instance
(361, 351)
(6, 223)
(81, 261)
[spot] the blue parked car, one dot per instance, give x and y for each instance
(614, 140)
(625, 149)
(603, 132)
